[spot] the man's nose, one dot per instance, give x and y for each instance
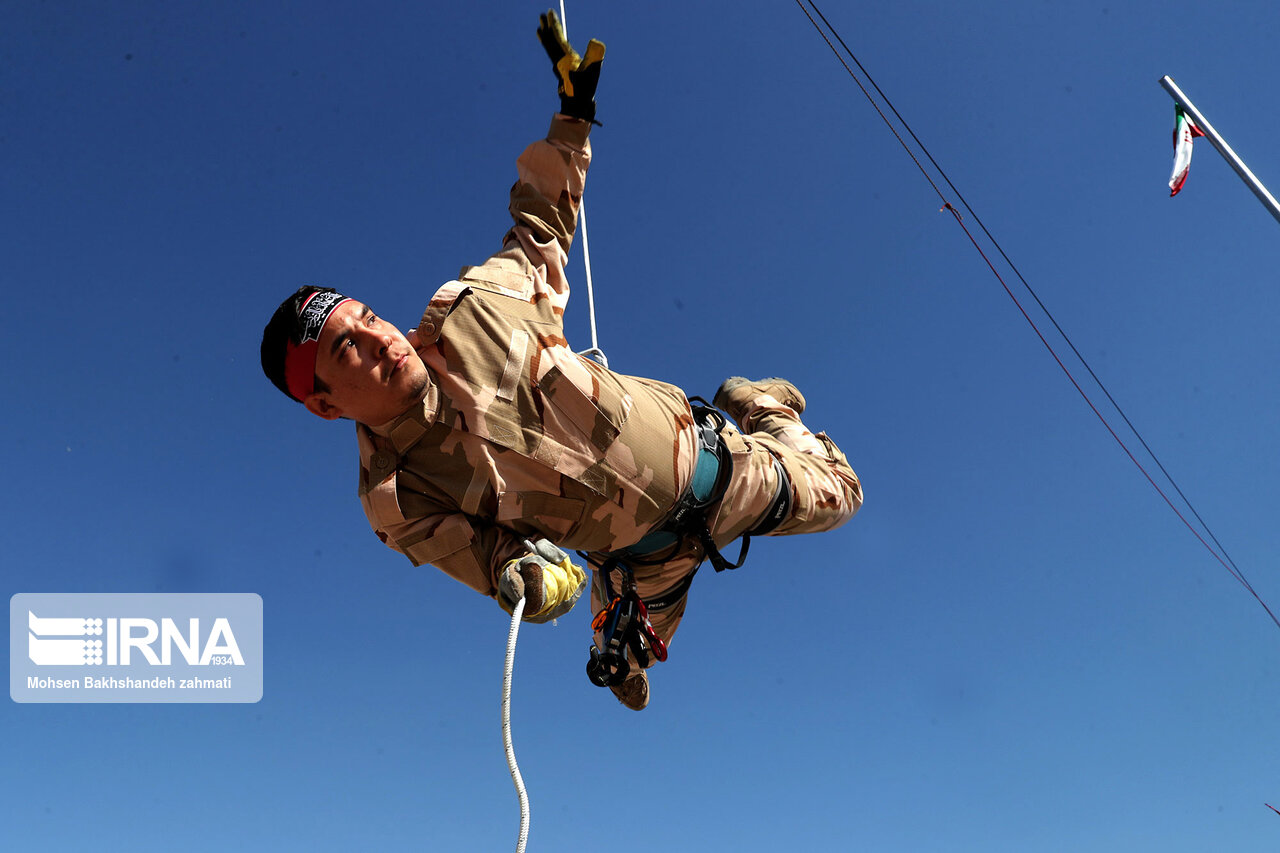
(380, 341)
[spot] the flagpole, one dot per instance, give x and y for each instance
(1223, 148)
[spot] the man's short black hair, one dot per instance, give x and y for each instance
(283, 327)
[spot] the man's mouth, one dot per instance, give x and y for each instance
(399, 363)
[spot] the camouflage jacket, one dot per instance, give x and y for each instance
(517, 436)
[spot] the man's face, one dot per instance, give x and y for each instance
(373, 372)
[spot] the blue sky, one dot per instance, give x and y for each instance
(1015, 646)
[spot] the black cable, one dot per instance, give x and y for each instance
(1029, 288)
(1229, 562)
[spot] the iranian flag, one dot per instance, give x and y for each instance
(1183, 132)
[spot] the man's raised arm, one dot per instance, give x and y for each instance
(551, 174)
(542, 199)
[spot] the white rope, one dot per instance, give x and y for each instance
(508, 669)
(595, 351)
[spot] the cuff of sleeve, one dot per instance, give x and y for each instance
(573, 131)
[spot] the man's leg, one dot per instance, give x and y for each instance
(825, 494)
(825, 490)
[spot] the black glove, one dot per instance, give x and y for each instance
(577, 75)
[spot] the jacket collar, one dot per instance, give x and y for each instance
(404, 431)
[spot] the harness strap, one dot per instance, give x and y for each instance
(671, 597)
(780, 508)
(778, 511)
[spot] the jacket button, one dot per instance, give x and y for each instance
(380, 460)
(429, 329)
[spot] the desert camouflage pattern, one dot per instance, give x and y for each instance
(518, 437)
(825, 494)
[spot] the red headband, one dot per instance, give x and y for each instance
(300, 358)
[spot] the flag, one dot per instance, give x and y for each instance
(1184, 131)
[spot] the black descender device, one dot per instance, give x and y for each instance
(623, 624)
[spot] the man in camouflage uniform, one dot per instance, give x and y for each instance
(484, 438)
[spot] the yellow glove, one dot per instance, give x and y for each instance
(545, 578)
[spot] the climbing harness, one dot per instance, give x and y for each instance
(712, 470)
(623, 623)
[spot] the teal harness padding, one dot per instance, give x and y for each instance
(712, 470)
(706, 474)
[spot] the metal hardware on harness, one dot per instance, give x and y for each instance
(624, 625)
(623, 622)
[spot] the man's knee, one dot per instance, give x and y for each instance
(826, 492)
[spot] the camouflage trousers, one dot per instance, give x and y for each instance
(825, 494)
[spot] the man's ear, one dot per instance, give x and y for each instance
(321, 406)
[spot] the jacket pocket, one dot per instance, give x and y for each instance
(547, 513)
(595, 406)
